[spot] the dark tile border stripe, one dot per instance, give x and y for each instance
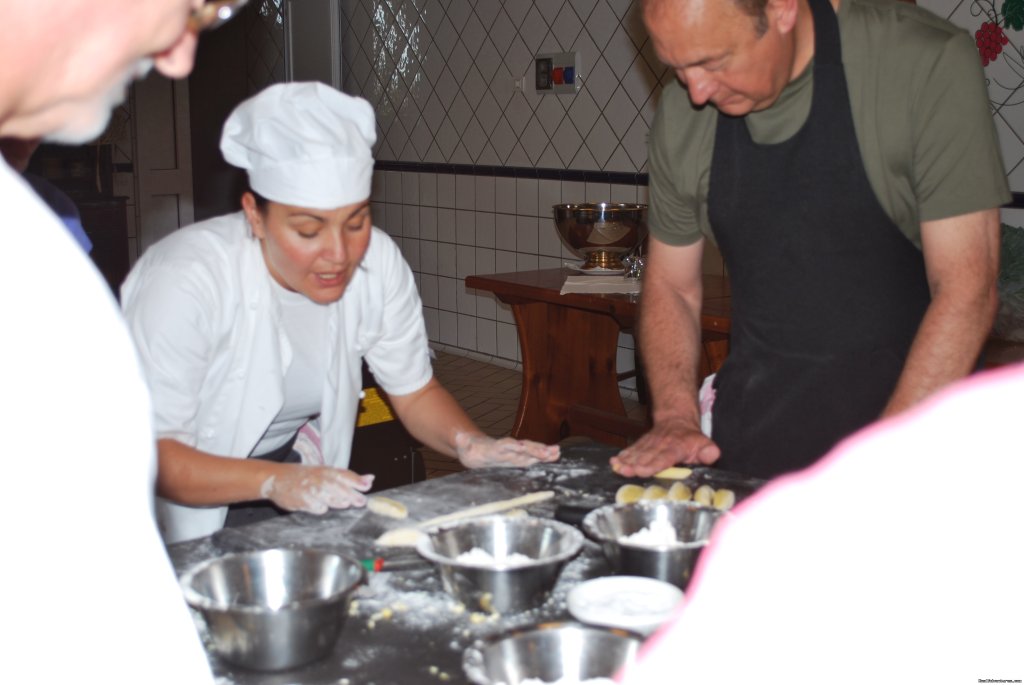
(616, 177)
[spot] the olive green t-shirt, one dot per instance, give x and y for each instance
(920, 110)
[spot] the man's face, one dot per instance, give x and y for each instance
(719, 55)
(117, 41)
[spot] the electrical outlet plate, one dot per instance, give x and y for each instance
(557, 73)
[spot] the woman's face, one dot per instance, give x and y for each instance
(311, 251)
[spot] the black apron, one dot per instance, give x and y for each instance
(244, 513)
(827, 293)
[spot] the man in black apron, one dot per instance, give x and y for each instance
(837, 318)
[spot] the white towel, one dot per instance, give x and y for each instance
(600, 284)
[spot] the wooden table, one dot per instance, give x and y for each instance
(569, 343)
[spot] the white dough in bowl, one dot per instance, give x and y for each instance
(481, 557)
(658, 534)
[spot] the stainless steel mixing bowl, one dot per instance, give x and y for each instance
(274, 609)
(551, 652)
(501, 587)
(671, 562)
(601, 232)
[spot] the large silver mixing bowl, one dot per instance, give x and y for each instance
(501, 587)
(562, 652)
(273, 609)
(602, 232)
(672, 563)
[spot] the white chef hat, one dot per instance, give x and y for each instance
(303, 144)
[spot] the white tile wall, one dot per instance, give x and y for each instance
(441, 75)
(445, 245)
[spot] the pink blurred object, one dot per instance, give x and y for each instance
(307, 444)
(897, 558)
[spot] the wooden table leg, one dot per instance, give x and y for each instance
(714, 350)
(568, 359)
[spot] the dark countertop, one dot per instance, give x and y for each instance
(403, 627)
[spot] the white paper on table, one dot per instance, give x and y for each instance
(600, 284)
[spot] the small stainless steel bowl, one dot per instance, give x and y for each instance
(551, 652)
(274, 609)
(502, 587)
(672, 562)
(601, 232)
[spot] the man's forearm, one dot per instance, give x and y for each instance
(962, 260)
(670, 343)
(945, 348)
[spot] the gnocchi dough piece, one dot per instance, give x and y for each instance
(674, 473)
(407, 537)
(385, 506)
(629, 493)
(400, 537)
(654, 492)
(680, 492)
(704, 495)
(724, 499)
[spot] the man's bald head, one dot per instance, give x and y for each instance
(755, 9)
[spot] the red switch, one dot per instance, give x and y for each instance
(557, 75)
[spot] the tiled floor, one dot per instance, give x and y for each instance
(489, 394)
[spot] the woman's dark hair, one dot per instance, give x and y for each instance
(261, 202)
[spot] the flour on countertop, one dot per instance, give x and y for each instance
(626, 604)
(568, 681)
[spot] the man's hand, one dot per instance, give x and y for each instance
(476, 451)
(667, 444)
(315, 489)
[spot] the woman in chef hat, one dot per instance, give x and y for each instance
(252, 326)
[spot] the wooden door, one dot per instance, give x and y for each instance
(163, 158)
(313, 32)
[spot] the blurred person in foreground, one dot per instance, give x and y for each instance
(92, 595)
(897, 558)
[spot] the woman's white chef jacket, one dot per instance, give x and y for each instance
(208, 329)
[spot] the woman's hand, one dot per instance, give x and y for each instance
(315, 489)
(478, 450)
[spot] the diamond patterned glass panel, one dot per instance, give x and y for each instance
(567, 25)
(583, 8)
(487, 11)
(602, 24)
(487, 60)
(452, 81)
(533, 30)
(264, 39)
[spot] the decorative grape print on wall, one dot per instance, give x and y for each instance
(991, 35)
(997, 27)
(990, 39)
